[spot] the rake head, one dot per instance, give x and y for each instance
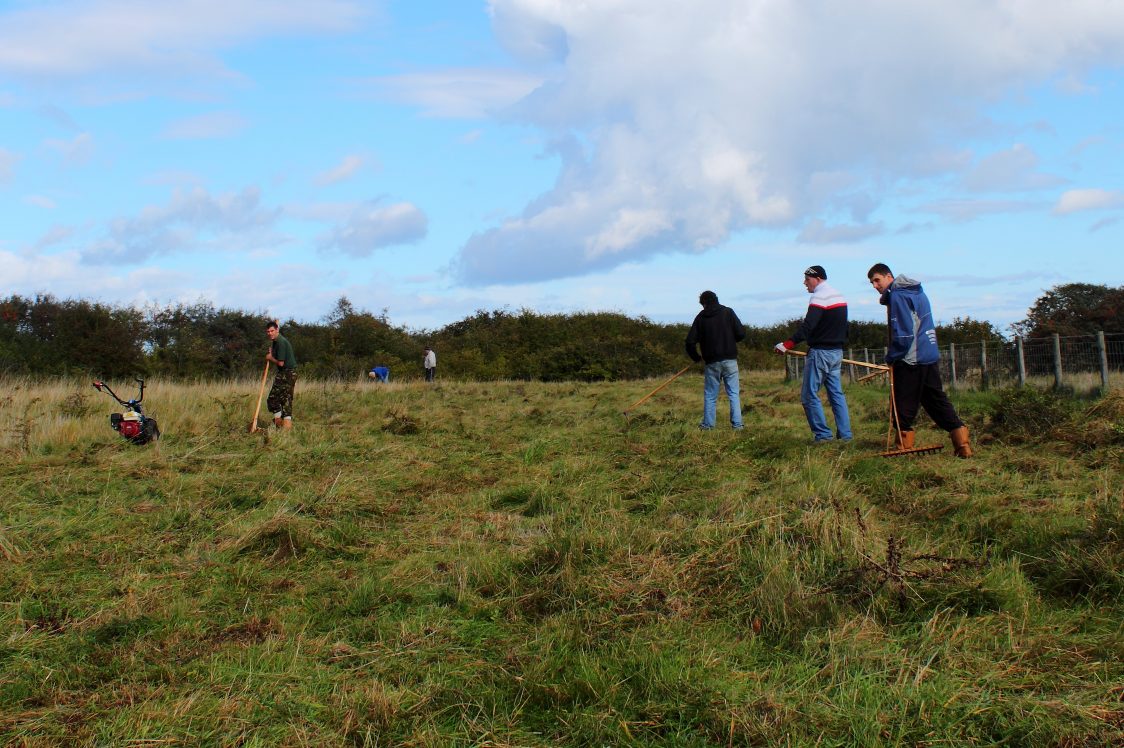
(913, 451)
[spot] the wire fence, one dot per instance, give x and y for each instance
(1076, 363)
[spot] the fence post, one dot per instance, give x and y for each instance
(1020, 354)
(1057, 361)
(851, 367)
(983, 365)
(788, 368)
(1102, 351)
(952, 365)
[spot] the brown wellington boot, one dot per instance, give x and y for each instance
(287, 424)
(960, 442)
(906, 441)
(277, 422)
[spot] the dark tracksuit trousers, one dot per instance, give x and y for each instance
(918, 387)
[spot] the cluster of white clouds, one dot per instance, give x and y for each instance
(195, 220)
(675, 124)
(678, 124)
(77, 38)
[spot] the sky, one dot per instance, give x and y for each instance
(431, 158)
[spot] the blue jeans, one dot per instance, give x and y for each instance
(725, 372)
(822, 368)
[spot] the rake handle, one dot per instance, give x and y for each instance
(643, 399)
(880, 367)
(261, 392)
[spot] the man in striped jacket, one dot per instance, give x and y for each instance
(825, 329)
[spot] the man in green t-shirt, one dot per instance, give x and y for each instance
(285, 381)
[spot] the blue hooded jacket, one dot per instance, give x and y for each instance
(913, 336)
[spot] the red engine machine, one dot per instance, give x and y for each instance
(133, 424)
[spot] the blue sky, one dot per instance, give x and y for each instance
(433, 158)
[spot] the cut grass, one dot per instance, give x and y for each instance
(518, 564)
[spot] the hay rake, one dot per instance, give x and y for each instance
(895, 426)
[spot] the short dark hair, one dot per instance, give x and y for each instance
(706, 298)
(878, 268)
(272, 324)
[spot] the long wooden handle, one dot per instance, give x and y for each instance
(677, 375)
(880, 367)
(257, 410)
(871, 375)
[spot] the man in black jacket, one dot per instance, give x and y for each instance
(717, 330)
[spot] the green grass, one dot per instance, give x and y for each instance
(518, 564)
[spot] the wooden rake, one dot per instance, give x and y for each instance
(678, 374)
(895, 426)
(880, 367)
(257, 410)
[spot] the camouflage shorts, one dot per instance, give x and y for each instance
(281, 393)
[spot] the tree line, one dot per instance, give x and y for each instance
(46, 336)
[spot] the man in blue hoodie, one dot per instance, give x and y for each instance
(717, 330)
(915, 359)
(825, 329)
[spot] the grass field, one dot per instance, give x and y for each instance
(517, 564)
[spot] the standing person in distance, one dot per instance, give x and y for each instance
(281, 355)
(825, 329)
(717, 330)
(430, 364)
(913, 355)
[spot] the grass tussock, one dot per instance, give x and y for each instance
(521, 564)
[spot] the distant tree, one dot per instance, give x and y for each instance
(1074, 309)
(965, 330)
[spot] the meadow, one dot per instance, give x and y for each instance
(519, 564)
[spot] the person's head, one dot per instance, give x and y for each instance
(708, 298)
(880, 276)
(427, 349)
(272, 329)
(814, 276)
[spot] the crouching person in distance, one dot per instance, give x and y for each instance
(281, 355)
(717, 330)
(914, 357)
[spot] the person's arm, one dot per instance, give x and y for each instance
(691, 344)
(737, 326)
(280, 362)
(902, 332)
(810, 321)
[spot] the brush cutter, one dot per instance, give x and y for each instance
(680, 373)
(133, 424)
(900, 448)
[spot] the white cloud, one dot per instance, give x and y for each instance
(40, 201)
(345, 170)
(1011, 170)
(72, 38)
(1075, 201)
(467, 93)
(54, 235)
(206, 126)
(818, 232)
(191, 221)
(372, 226)
(714, 116)
(7, 165)
(963, 210)
(75, 152)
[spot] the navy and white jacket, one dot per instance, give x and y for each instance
(913, 337)
(825, 325)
